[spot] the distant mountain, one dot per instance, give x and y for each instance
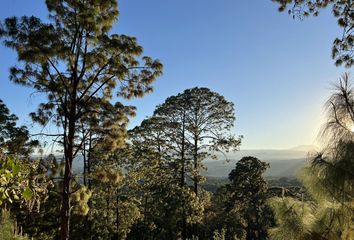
(306, 148)
(283, 163)
(278, 168)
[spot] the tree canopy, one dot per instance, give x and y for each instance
(14, 140)
(78, 64)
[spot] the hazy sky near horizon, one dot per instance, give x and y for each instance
(275, 69)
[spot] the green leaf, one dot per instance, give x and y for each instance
(27, 193)
(15, 169)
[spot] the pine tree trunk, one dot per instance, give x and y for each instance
(196, 181)
(84, 155)
(184, 220)
(196, 165)
(117, 215)
(89, 161)
(69, 157)
(65, 205)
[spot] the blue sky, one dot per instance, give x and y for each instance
(275, 69)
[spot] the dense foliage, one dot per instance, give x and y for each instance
(146, 183)
(78, 64)
(14, 140)
(328, 178)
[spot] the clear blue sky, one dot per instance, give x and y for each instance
(276, 70)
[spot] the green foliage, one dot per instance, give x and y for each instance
(328, 178)
(23, 190)
(294, 217)
(323, 218)
(30, 195)
(79, 64)
(113, 211)
(14, 139)
(8, 228)
(239, 210)
(223, 218)
(18, 183)
(219, 235)
(249, 193)
(160, 195)
(108, 174)
(27, 194)
(80, 199)
(171, 146)
(206, 118)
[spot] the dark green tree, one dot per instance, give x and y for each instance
(183, 131)
(249, 194)
(14, 140)
(201, 119)
(174, 123)
(115, 204)
(24, 189)
(206, 119)
(8, 227)
(103, 132)
(222, 218)
(75, 61)
(168, 203)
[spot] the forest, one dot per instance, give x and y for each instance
(145, 182)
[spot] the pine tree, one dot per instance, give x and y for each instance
(248, 194)
(77, 63)
(168, 205)
(14, 140)
(183, 131)
(328, 178)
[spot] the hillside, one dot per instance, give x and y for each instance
(283, 163)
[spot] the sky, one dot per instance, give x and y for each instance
(276, 70)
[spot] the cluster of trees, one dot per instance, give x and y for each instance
(141, 184)
(149, 186)
(78, 65)
(145, 183)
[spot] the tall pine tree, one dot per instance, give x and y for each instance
(76, 62)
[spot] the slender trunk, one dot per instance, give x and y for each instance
(69, 157)
(196, 165)
(117, 215)
(183, 167)
(89, 156)
(184, 220)
(65, 205)
(196, 180)
(84, 155)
